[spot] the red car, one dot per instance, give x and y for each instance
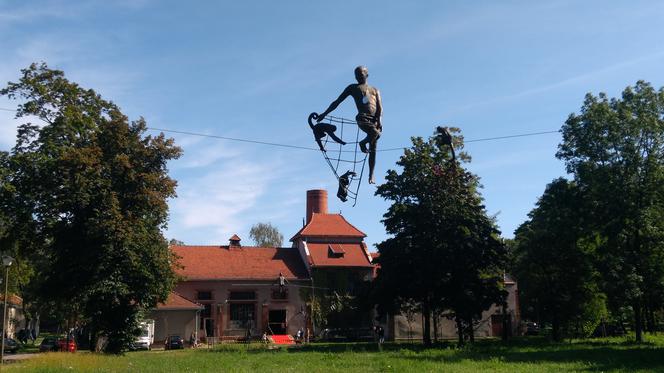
(63, 346)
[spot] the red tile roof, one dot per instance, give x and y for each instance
(176, 301)
(328, 225)
(374, 261)
(14, 300)
(327, 254)
(235, 237)
(220, 262)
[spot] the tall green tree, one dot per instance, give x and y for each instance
(266, 235)
(93, 189)
(445, 252)
(553, 260)
(615, 150)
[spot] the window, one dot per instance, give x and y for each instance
(280, 294)
(242, 315)
(204, 295)
(242, 295)
(207, 311)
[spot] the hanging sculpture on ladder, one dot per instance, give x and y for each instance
(370, 109)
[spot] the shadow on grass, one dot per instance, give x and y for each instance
(598, 354)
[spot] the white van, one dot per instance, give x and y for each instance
(146, 338)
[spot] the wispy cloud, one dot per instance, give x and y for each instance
(204, 154)
(30, 12)
(562, 83)
(229, 196)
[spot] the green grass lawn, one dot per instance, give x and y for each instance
(519, 355)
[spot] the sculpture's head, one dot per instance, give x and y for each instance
(361, 74)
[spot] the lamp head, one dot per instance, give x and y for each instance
(7, 261)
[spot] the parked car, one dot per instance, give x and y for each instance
(174, 342)
(532, 328)
(11, 345)
(48, 344)
(347, 335)
(67, 346)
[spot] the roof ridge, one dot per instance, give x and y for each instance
(185, 298)
(349, 223)
(344, 227)
(243, 246)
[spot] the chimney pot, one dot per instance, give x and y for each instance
(316, 202)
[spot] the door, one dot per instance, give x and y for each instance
(277, 322)
(208, 325)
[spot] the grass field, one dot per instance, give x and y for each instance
(522, 355)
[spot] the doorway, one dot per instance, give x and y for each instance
(208, 325)
(277, 322)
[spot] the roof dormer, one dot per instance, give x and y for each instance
(335, 252)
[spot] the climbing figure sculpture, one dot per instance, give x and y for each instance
(322, 129)
(344, 181)
(369, 112)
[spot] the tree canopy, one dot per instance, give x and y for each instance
(554, 262)
(615, 150)
(266, 235)
(89, 200)
(445, 253)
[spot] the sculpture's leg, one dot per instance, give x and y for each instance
(335, 138)
(372, 161)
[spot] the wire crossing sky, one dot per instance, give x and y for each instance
(233, 84)
(253, 141)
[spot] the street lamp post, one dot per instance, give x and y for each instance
(7, 262)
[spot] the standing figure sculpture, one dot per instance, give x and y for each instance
(369, 112)
(445, 138)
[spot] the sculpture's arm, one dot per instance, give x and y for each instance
(335, 103)
(379, 111)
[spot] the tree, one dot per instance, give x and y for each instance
(615, 150)
(554, 261)
(175, 242)
(266, 235)
(93, 191)
(445, 252)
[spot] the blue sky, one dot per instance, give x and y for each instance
(256, 69)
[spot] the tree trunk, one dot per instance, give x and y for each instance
(505, 331)
(471, 331)
(650, 319)
(426, 327)
(555, 327)
(435, 326)
(459, 329)
(638, 321)
(92, 343)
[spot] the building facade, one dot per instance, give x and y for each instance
(233, 291)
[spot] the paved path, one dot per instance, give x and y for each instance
(16, 357)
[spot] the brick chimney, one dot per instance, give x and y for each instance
(316, 202)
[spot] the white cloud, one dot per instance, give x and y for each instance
(237, 188)
(562, 83)
(31, 13)
(200, 154)
(7, 130)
